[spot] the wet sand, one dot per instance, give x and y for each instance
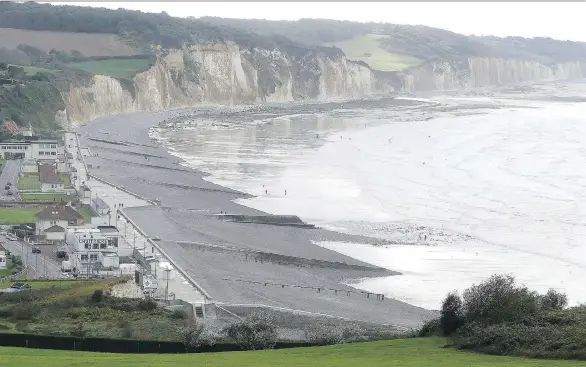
(233, 261)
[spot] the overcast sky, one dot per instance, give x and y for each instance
(558, 20)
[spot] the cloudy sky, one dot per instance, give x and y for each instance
(558, 20)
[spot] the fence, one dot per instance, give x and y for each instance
(117, 345)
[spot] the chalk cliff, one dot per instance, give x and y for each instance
(229, 74)
(482, 72)
(222, 74)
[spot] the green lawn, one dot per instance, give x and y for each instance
(86, 214)
(5, 272)
(400, 353)
(30, 181)
(356, 49)
(115, 67)
(45, 197)
(66, 180)
(18, 215)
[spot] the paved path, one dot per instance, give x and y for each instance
(10, 174)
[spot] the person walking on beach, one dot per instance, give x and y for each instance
(285, 192)
(266, 192)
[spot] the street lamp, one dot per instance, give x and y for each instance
(167, 287)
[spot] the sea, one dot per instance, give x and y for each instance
(456, 188)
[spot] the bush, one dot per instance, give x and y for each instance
(451, 314)
(431, 328)
(328, 334)
(23, 311)
(195, 335)
(179, 315)
(97, 296)
(498, 300)
(258, 331)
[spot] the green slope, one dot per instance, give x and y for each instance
(422, 352)
(366, 48)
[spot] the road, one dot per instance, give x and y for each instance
(10, 174)
(39, 265)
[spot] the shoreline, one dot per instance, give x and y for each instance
(188, 205)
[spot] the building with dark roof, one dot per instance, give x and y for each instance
(49, 177)
(63, 216)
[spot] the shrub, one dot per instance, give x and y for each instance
(79, 330)
(328, 334)
(431, 328)
(451, 314)
(97, 296)
(5, 312)
(127, 330)
(195, 335)
(257, 331)
(498, 300)
(179, 314)
(23, 311)
(147, 305)
(553, 300)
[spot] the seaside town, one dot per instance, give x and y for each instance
(59, 222)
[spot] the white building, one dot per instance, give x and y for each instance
(55, 233)
(3, 258)
(93, 250)
(35, 149)
(63, 216)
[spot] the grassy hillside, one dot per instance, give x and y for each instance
(70, 309)
(405, 353)
(36, 102)
(122, 68)
(88, 44)
(367, 48)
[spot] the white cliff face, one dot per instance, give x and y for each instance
(482, 72)
(220, 73)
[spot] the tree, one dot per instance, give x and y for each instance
(3, 66)
(451, 314)
(553, 300)
(497, 300)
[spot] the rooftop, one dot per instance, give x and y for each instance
(55, 228)
(48, 174)
(59, 212)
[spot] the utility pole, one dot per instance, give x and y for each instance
(167, 287)
(45, 257)
(36, 265)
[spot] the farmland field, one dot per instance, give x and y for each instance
(421, 352)
(122, 68)
(89, 44)
(366, 48)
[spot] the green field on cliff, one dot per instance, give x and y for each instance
(421, 352)
(120, 68)
(366, 48)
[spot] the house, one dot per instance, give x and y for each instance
(55, 233)
(49, 177)
(3, 258)
(27, 131)
(63, 216)
(10, 127)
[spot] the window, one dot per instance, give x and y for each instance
(53, 153)
(94, 257)
(86, 245)
(83, 257)
(95, 246)
(53, 146)
(102, 245)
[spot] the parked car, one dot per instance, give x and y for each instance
(6, 187)
(20, 286)
(10, 193)
(9, 183)
(11, 237)
(36, 250)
